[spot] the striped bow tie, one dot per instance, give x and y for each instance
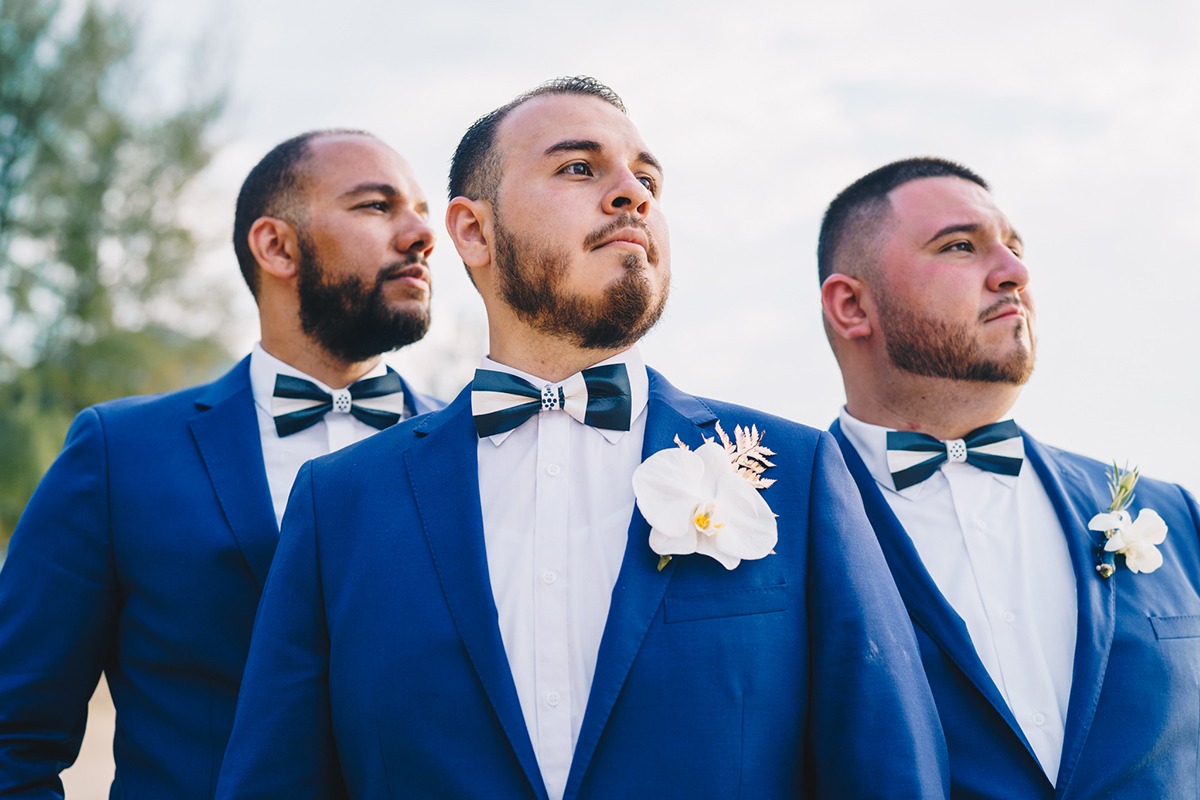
(598, 396)
(298, 404)
(913, 457)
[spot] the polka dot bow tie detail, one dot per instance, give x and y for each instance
(298, 404)
(913, 457)
(598, 396)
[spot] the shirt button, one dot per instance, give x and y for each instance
(549, 577)
(1009, 617)
(553, 469)
(1039, 718)
(553, 699)
(981, 524)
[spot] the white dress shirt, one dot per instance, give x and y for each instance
(557, 499)
(283, 456)
(996, 550)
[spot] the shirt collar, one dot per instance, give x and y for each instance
(639, 388)
(264, 367)
(871, 443)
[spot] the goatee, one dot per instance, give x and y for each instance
(531, 277)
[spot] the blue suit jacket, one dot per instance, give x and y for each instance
(1133, 717)
(142, 554)
(377, 667)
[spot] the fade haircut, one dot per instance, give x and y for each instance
(273, 189)
(855, 216)
(475, 169)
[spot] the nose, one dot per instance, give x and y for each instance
(414, 234)
(1008, 273)
(628, 196)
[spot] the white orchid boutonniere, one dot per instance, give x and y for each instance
(706, 500)
(1136, 539)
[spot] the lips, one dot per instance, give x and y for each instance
(629, 237)
(415, 274)
(1005, 309)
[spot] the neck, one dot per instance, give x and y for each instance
(313, 360)
(942, 408)
(545, 356)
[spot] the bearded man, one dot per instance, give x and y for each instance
(536, 592)
(144, 550)
(1061, 644)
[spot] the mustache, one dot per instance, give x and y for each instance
(994, 308)
(625, 220)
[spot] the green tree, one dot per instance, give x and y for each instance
(96, 261)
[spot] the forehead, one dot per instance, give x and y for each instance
(538, 124)
(337, 164)
(927, 205)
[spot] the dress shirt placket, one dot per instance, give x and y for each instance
(342, 430)
(988, 516)
(551, 607)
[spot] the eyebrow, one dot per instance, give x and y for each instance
(370, 187)
(385, 189)
(590, 146)
(968, 227)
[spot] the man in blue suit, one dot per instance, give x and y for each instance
(1063, 650)
(498, 601)
(144, 550)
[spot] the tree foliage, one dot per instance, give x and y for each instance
(96, 261)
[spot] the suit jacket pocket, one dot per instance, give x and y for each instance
(1186, 627)
(732, 603)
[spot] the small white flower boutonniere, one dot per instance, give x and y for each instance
(1136, 539)
(706, 500)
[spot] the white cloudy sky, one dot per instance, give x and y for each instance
(1083, 116)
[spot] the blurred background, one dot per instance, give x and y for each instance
(126, 129)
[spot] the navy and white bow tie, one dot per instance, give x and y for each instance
(598, 396)
(298, 404)
(913, 457)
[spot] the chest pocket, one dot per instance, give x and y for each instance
(733, 603)
(1187, 627)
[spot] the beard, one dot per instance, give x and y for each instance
(932, 348)
(348, 318)
(531, 274)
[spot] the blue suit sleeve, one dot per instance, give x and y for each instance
(873, 726)
(282, 743)
(58, 602)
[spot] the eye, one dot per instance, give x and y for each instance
(650, 183)
(375, 205)
(960, 246)
(577, 168)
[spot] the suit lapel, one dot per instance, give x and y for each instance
(417, 403)
(640, 587)
(1076, 498)
(925, 602)
(225, 430)
(443, 469)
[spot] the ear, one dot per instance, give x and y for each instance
(842, 299)
(275, 247)
(469, 224)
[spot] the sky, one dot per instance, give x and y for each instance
(1082, 116)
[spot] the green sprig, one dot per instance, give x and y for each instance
(1121, 483)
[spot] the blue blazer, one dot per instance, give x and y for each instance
(377, 668)
(1133, 717)
(142, 554)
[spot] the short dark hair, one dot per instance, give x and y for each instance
(272, 189)
(854, 215)
(475, 168)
